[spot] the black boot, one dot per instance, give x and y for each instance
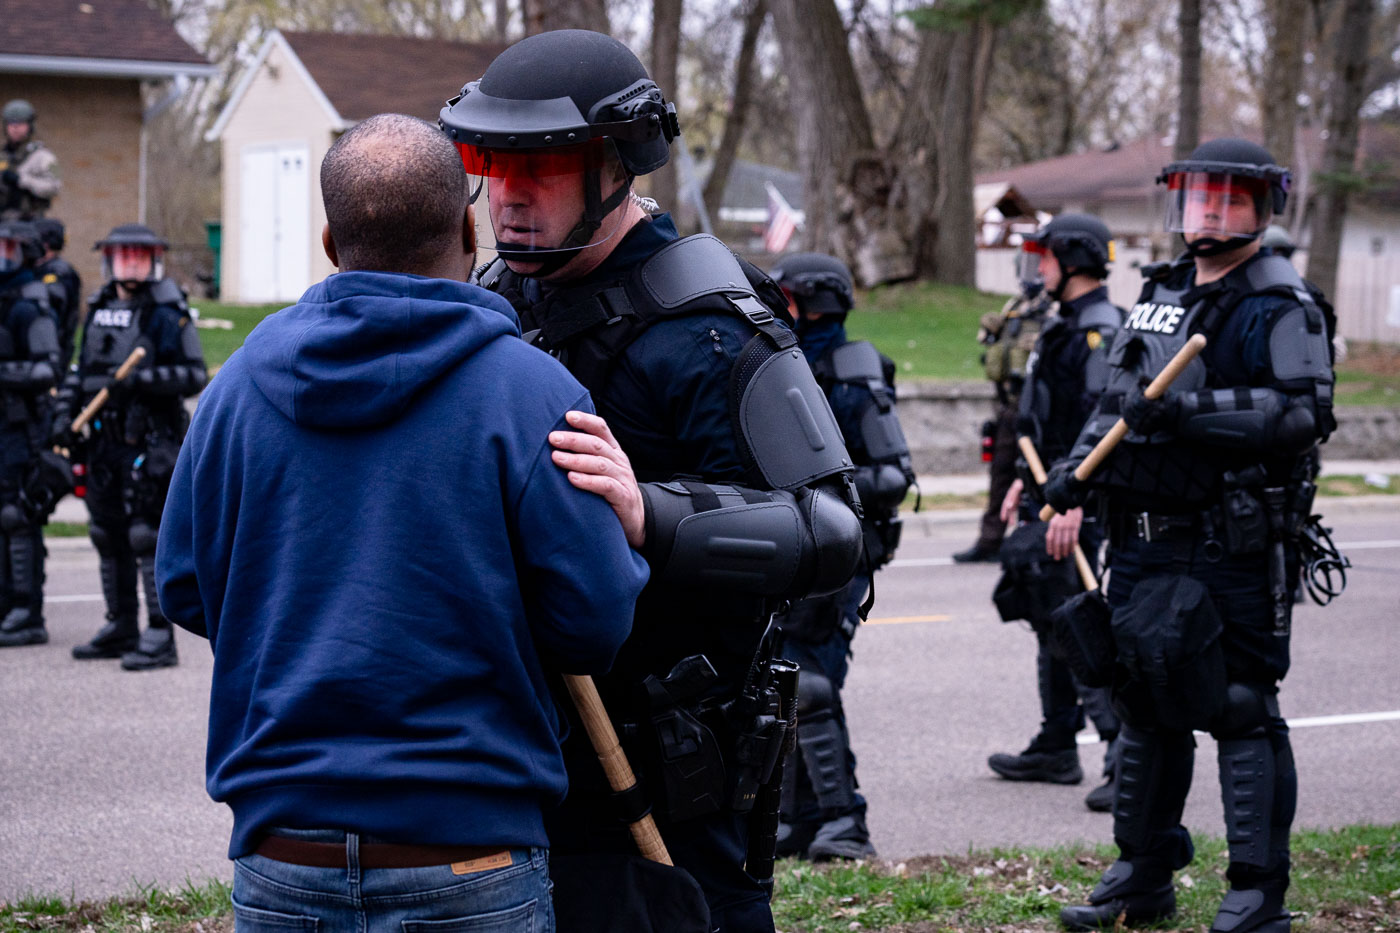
(1139, 891)
(1100, 799)
(120, 633)
(1043, 760)
(155, 648)
(113, 640)
(1253, 910)
(979, 553)
(793, 839)
(24, 623)
(845, 837)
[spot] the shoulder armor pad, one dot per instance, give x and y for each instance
(1271, 272)
(1296, 351)
(36, 291)
(857, 361)
(167, 292)
(788, 431)
(1101, 316)
(690, 268)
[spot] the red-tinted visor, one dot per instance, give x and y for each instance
(1216, 204)
(1028, 261)
(532, 163)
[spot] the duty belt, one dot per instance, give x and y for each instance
(1150, 526)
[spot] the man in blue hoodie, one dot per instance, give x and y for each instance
(380, 721)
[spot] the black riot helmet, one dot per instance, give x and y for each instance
(51, 233)
(133, 255)
(1278, 239)
(1209, 191)
(818, 283)
(1081, 244)
(554, 105)
(19, 246)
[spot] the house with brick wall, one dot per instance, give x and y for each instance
(83, 64)
(299, 94)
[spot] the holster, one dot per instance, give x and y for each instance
(684, 753)
(763, 825)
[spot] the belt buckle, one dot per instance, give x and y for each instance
(1142, 522)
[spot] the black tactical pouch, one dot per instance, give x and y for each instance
(812, 621)
(685, 753)
(1081, 635)
(1168, 637)
(1246, 522)
(1032, 582)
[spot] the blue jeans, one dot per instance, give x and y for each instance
(278, 897)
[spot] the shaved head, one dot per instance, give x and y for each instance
(395, 194)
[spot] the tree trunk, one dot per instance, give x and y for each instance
(1338, 176)
(1188, 113)
(665, 50)
(546, 15)
(1283, 73)
(737, 117)
(502, 20)
(833, 126)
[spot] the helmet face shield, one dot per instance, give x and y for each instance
(1216, 204)
(540, 200)
(1028, 262)
(11, 255)
(131, 263)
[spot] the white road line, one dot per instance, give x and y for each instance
(1343, 546)
(1302, 722)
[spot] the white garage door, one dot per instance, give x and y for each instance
(274, 223)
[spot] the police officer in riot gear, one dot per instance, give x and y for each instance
(1009, 336)
(1066, 374)
(28, 170)
(823, 813)
(65, 287)
(1206, 498)
(29, 367)
(746, 495)
(133, 440)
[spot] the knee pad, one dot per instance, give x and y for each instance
(1247, 710)
(101, 539)
(815, 694)
(143, 538)
(12, 519)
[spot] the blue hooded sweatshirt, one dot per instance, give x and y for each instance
(366, 522)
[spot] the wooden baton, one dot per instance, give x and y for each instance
(100, 399)
(1164, 379)
(614, 761)
(1086, 573)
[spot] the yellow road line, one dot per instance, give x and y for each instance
(901, 620)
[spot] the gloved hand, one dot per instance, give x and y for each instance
(60, 434)
(1062, 490)
(9, 178)
(1147, 416)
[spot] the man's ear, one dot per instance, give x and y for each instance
(469, 235)
(329, 245)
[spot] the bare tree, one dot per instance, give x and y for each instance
(1338, 178)
(665, 54)
(545, 15)
(1188, 122)
(736, 119)
(1287, 22)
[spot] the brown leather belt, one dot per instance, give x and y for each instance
(381, 854)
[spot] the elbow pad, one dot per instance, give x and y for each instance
(764, 542)
(881, 486)
(1249, 418)
(27, 375)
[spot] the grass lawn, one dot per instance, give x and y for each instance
(930, 330)
(1344, 881)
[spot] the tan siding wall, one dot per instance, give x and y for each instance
(93, 126)
(278, 108)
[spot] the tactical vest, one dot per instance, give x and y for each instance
(116, 325)
(1168, 313)
(1005, 360)
(21, 199)
(1037, 397)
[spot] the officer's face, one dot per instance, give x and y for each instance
(534, 211)
(131, 263)
(1049, 271)
(1213, 210)
(16, 132)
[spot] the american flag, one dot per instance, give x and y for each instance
(782, 221)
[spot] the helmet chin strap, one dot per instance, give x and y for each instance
(1214, 247)
(595, 208)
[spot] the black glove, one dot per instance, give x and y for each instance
(1148, 416)
(60, 434)
(1062, 490)
(10, 178)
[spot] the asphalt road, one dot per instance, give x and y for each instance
(102, 771)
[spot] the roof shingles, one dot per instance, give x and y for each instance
(129, 30)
